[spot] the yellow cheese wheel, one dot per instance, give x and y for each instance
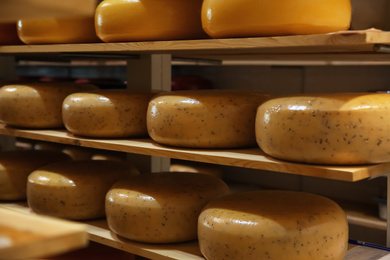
(340, 128)
(74, 190)
(160, 207)
(122, 20)
(246, 18)
(274, 225)
(204, 118)
(36, 105)
(15, 166)
(57, 30)
(106, 113)
(8, 34)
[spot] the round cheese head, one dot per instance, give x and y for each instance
(250, 18)
(15, 166)
(106, 113)
(148, 20)
(204, 118)
(340, 128)
(36, 105)
(57, 30)
(74, 190)
(160, 207)
(274, 225)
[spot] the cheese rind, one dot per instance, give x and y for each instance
(249, 18)
(106, 113)
(274, 225)
(204, 118)
(340, 128)
(15, 166)
(160, 207)
(74, 190)
(36, 105)
(148, 20)
(57, 30)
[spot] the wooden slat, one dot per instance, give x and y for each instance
(249, 158)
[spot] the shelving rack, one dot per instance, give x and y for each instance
(149, 66)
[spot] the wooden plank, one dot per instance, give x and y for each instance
(248, 158)
(13, 10)
(30, 236)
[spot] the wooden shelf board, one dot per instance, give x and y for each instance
(248, 158)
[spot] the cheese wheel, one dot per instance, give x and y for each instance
(15, 166)
(274, 225)
(148, 20)
(57, 30)
(106, 113)
(74, 190)
(204, 118)
(340, 128)
(160, 207)
(36, 105)
(8, 34)
(250, 18)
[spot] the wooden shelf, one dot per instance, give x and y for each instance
(248, 158)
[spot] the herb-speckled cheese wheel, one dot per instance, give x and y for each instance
(160, 207)
(122, 20)
(204, 118)
(57, 30)
(249, 18)
(74, 190)
(273, 225)
(340, 128)
(36, 105)
(15, 166)
(106, 113)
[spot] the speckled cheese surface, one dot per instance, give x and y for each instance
(74, 190)
(106, 113)
(161, 207)
(273, 225)
(204, 118)
(342, 128)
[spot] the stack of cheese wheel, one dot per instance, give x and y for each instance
(122, 20)
(106, 113)
(204, 118)
(161, 207)
(36, 105)
(57, 30)
(8, 34)
(333, 128)
(15, 166)
(274, 225)
(249, 18)
(75, 190)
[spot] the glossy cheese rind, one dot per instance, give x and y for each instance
(106, 113)
(148, 20)
(15, 166)
(250, 18)
(204, 118)
(74, 190)
(57, 30)
(274, 225)
(36, 105)
(340, 128)
(161, 207)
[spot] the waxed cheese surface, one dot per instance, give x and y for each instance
(36, 105)
(245, 18)
(15, 166)
(342, 128)
(75, 190)
(204, 118)
(106, 113)
(161, 207)
(274, 225)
